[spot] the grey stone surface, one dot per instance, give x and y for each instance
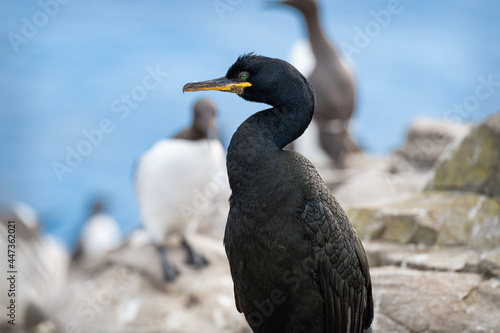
(409, 300)
(441, 218)
(426, 141)
(474, 164)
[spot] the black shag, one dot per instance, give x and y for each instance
(297, 263)
(333, 85)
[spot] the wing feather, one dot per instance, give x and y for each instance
(341, 265)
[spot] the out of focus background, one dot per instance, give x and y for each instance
(65, 71)
(87, 87)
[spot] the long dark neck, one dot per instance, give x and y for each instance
(320, 45)
(262, 135)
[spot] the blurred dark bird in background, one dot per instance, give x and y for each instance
(100, 234)
(170, 182)
(203, 126)
(333, 85)
(297, 263)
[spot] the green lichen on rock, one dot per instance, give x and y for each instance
(408, 228)
(441, 218)
(473, 165)
(368, 225)
(392, 225)
(424, 235)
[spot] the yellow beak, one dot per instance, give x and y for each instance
(221, 84)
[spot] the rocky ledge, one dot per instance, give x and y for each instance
(434, 255)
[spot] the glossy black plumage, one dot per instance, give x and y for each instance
(296, 262)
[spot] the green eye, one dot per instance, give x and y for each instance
(244, 76)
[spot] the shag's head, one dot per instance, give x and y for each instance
(204, 118)
(261, 79)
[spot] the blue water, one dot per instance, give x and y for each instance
(66, 70)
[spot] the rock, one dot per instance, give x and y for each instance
(488, 264)
(434, 258)
(40, 264)
(442, 259)
(47, 326)
(474, 164)
(442, 218)
(408, 300)
(367, 179)
(426, 140)
(125, 292)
